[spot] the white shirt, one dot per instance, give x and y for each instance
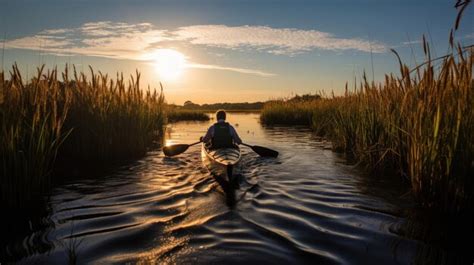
(233, 133)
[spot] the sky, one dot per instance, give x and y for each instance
(229, 51)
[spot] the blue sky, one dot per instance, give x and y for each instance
(212, 51)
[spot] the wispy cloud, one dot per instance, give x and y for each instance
(411, 42)
(273, 40)
(120, 40)
(103, 39)
(55, 31)
(39, 42)
(233, 69)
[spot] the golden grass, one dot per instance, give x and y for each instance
(420, 126)
(84, 120)
(178, 114)
(31, 130)
(111, 119)
(287, 112)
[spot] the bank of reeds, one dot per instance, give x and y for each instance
(111, 119)
(32, 116)
(288, 112)
(419, 125)
(176, 114)
(82, 120)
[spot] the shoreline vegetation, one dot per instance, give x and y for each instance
(55, 125)
(96, 120)
(178, 113)
(175, 114)
(237, 107)
(419, 125)
(190, 111)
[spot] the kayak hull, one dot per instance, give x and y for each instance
(224, 162)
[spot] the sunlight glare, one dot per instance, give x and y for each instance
(169, 142)
(168, 63)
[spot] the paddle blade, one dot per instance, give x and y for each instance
(263, 151)
(175, 149)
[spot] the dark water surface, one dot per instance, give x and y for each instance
(305, 207)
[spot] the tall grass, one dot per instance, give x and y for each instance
(111, 119)
(178, 114)
(32, 116)
(419, 125)
(288, 112)
(82, 120)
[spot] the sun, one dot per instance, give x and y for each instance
(168, 63)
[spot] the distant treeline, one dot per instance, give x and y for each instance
(227, 106)
(189, 105)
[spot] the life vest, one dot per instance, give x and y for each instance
(222, 137)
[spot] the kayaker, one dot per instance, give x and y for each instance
(221, 134)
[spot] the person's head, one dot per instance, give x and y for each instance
(220, 114)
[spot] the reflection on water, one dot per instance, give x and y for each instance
(306, 206)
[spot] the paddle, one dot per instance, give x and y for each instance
(262, 151)
(177, 149)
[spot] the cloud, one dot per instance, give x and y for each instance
(411, 42)
(38, 42)
(107, 39)
(103, 39)
(286, 41)
(119, 40)
(233, 69)
(129, 41)
(469, 36)
(55, 31)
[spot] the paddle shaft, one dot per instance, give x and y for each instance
(195, 143)
(247, 145)
(262, 151)
(177, 149)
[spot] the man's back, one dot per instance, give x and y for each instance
(221, 134)
(222, 137)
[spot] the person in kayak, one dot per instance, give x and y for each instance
(221, 134)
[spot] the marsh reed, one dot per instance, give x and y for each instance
(32, 116)
(288, 112)
(178, 114)
(111, 119)
(419, 125)
(79, 119)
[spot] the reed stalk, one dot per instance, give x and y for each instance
(419, 125)
(32, 117)
(177, 114)
(80, 120)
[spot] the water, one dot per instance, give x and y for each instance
(306, 206)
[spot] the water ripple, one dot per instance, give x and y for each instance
(305, 207)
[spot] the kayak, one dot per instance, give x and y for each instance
(222, 162)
